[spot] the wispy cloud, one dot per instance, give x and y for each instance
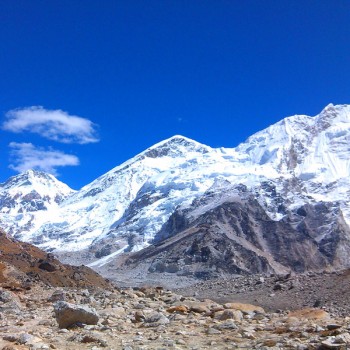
(26, 156)
(54, 125)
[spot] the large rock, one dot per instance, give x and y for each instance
(9, 302)
(68, 314)
(155, 319)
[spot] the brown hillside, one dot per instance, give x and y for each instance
(22, 264)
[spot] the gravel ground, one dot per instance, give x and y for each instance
(330, 291)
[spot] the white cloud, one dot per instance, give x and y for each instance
(26, 156)
(54, 125)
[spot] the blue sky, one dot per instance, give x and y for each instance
(85, 85)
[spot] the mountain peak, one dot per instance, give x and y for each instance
(176, 140)
(30, 176)
(175, 145)
(334, 112)
(332, 107)
(39, 181)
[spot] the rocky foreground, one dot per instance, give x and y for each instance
(48, 305)
(45, 317)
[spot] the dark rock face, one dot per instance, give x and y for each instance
(236, 236)
(104, 251)
(47, 266)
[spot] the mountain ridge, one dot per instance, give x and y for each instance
(298, 161)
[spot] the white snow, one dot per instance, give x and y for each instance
(106, 259)
(139, 195)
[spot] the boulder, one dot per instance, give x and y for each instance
(244, 308)
(155, 319)
(68, 314)
(231, 315)
(9, 302)
(183, 309)
(310, 314)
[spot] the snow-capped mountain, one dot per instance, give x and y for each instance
(103, 206)
(25, 200)
(299, 161)
(310, 154)
(310, 148)
(228, 232)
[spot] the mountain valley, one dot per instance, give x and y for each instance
(203, 248)
(182, 211)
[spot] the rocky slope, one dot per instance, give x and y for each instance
(293, 213)
(23, 266)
